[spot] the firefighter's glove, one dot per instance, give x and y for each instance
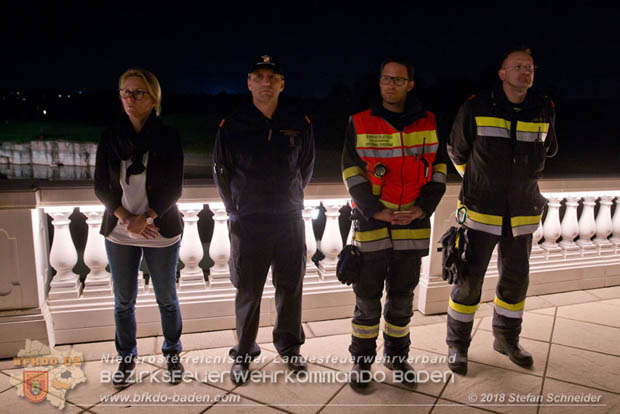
(454, 245)
(349, 265)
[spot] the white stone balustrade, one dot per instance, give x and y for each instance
(570, 224)
(603, 221)
(98, 281)
(191, 252)
(555, 266)
(309, 213)
(63, 256)
(587, 225)
(219, 249)
(552, 229)
(615, 224)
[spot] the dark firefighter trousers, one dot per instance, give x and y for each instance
(255, 245)
(400, 269)
(513, 265)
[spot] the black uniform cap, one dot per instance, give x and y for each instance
(266, 62)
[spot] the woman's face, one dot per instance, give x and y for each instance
(137, 102)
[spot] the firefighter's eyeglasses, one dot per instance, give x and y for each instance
(137, 95)
(518, 68)
(385, 80)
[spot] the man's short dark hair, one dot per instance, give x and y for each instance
(402, 61)
(516, 48)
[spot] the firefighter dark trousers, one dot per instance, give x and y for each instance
(513, 265)
(400, 269)
(255, 245)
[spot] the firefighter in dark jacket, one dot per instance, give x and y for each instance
(499, 142)
(394, 168)
(263, 160)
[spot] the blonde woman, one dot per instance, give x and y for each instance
(139, 178)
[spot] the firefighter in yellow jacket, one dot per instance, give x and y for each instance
(394, 167)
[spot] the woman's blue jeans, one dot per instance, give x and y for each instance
(162, 264)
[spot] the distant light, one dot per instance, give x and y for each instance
(80, 92)
(24, 99)
(68, 96)
(18, 92)
(44, 112)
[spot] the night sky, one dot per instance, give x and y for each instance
(208, 48)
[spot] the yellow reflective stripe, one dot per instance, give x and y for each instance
(442, 168)
(516, 307)
(489, 121)
(361, 331)
(524, 220)
(396, 331)
(378, 140)
(371, 235)
(376, 189)
(410, 234)
(394, 206)
(468, 309)
(352, 171)
(482, 218)
(460, 168)
(420, 137)
(532, 126)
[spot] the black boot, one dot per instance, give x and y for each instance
(515, 352)
(457, 360)
(360, 375)
(404, 370)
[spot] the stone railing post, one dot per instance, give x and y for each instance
(308, 215)
(552, 228)
(63, 256)
(587, 225)
(219, 249)
(570, 224)
(615, 225)
(98, 280)
(331, 242)
(603, 222)
(191, 252)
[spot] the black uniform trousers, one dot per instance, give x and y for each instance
(400, 269)
(513, 266)
(255, 245)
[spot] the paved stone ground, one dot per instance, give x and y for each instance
(574, 337)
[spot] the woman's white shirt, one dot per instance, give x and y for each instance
(135, 201)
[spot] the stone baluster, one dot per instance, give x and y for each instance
(570, 224)
(615, 225)
(538, 234)
(308, 215)
(603, 222)
(331, 243)
(587, 225)
(219, 249)
(98, 280)
(552, 228)
(191, 252)
(63, 256)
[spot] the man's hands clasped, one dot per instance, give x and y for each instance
(401, 217)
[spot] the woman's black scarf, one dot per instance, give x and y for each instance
(129, 145)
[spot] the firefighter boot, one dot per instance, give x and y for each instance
(515, 352)
(360, 375)
(457, 360)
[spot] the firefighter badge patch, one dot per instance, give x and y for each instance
(36, 385)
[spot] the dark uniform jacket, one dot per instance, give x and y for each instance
(261, 165)
(164, 174)
(499, 148)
